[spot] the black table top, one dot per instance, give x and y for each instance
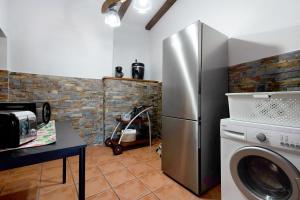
(66, 139)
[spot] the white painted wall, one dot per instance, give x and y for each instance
(3, 15)
(131, 41)
(69, 37)
(3, 53)
(234, 18)
(3, 29)
(261, 45)
(59, 37)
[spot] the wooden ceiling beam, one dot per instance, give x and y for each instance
(160, 13)
(107, 4)
(124, 7)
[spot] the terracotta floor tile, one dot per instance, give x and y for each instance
(67, 192)
(131, 190)
(33, 175)
(45, 180)
(1, 187)
(15, 186)
(156, 163)
(214, 193)
(144, 157)
(73, 159)
(25, 194)
(27, 169)
(90, 150)
(109, 166)
(53, 172)
(145, 154)
(128, 160)
(95, 185)
(106, 195)
(57, 179)
(154, 180)
(149, 197)
(104, 158)
(88, 164)
(118, 177)
(54, 183)
(51, 164)
(100, 150)
(4, 173)
(174, 192)
(90, 172)
(140, 151)
(4, 176)
(140, 169)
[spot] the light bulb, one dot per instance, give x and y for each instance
(112, 18)
(142, 6)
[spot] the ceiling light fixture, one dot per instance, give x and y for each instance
(142, 6)
(112, 18)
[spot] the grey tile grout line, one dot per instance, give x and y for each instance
(73, 178)
(138, 178)
(40, 181)
(1, 189)
(111, 187)
(151, 192)
(125, 167)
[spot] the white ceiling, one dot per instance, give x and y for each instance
(133, 17)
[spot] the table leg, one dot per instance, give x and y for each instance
(82, 174)
(64, 170)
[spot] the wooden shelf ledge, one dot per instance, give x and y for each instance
(128, 79)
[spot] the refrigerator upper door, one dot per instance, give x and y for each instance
(181, 70)
(180, 152)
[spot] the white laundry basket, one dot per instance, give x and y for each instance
(277, 108)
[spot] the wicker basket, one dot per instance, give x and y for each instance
(276, 108)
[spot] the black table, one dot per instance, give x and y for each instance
(68, 143)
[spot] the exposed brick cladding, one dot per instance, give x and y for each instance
(276, 73)
(122, 95)
(3, 85)
(77, 100)
(80, 100)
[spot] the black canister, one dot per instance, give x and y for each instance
(118, 72)
(138, 70)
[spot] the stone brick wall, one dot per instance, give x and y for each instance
(72, 99)
(276, 73)
(81, 100)
(122, 95)
(3, 85)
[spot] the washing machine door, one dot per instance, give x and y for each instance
(260, 174)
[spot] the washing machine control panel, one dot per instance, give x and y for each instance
(274, 139)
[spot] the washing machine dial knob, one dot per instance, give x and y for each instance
(261, 137)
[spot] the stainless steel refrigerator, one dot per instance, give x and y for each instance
(194, 87)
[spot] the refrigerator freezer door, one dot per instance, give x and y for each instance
(181, 69)
(180, 151)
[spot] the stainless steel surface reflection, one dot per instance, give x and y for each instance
(194, 87)
(181, 158)
(180, 74)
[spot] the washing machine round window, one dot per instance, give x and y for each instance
(260, 173)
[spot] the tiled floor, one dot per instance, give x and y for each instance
(133, 175)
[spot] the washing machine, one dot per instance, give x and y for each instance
(259, 161)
